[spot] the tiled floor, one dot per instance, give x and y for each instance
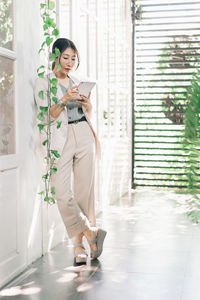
(151, 252)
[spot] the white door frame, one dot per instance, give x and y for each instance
(13, 259)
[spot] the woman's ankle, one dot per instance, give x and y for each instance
(89, 233)
(86, 233)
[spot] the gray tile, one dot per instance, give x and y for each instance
(157, 239)
(144, 260)
(129, 286)
(151, 252)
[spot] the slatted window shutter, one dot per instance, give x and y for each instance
(167, 52)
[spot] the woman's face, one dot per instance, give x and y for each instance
(67, 60)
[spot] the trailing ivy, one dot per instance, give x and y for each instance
(48, 15)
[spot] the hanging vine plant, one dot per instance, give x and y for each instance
(48, 15)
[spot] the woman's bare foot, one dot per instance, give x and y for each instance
(78, 250)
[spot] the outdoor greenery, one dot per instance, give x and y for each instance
(178, 54)
(186, 111)
(6, 79)
(178, 105)
(51, 32)
(6, 24)
(191, 144)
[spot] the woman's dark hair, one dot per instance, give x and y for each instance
(62, 44)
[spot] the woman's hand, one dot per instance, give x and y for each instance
(72, 93)
(86, 103)
(56, 109)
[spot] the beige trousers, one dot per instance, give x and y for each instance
(74, 179)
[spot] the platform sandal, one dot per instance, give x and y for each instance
(81, 256)
(98, 240)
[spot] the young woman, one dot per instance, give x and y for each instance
(78, 146)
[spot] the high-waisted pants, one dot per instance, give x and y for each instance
(74, 179)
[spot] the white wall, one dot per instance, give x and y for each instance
(34, 227)
(44, 226)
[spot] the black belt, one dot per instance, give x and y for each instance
(76, 121)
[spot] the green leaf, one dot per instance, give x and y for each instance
(49, 41)
(55, 153)
(57, 52)
(41, 193)
(51, 5)
(41, 75)
(59, 124)
(40, 116)
(55, 100)
(40, 126)
(52, 56)
(44, 143)
(59, 67)
(42, 5)
(49, 21)
(44, 109)
(53, 90)
(53, 170)
(53, 190)
(41, 67)
(41, 49)
(55, 32)
(50, 200)
(41, 94)
(45, 176)
(53, 25)
(54, 81)
(45, 27)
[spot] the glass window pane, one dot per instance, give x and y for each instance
(7, 107)
(6, 24)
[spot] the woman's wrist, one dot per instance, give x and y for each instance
(89, 112)
(61, 103)
(64, 100)
(89, 108)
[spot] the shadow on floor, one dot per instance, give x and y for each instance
(151, 252)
